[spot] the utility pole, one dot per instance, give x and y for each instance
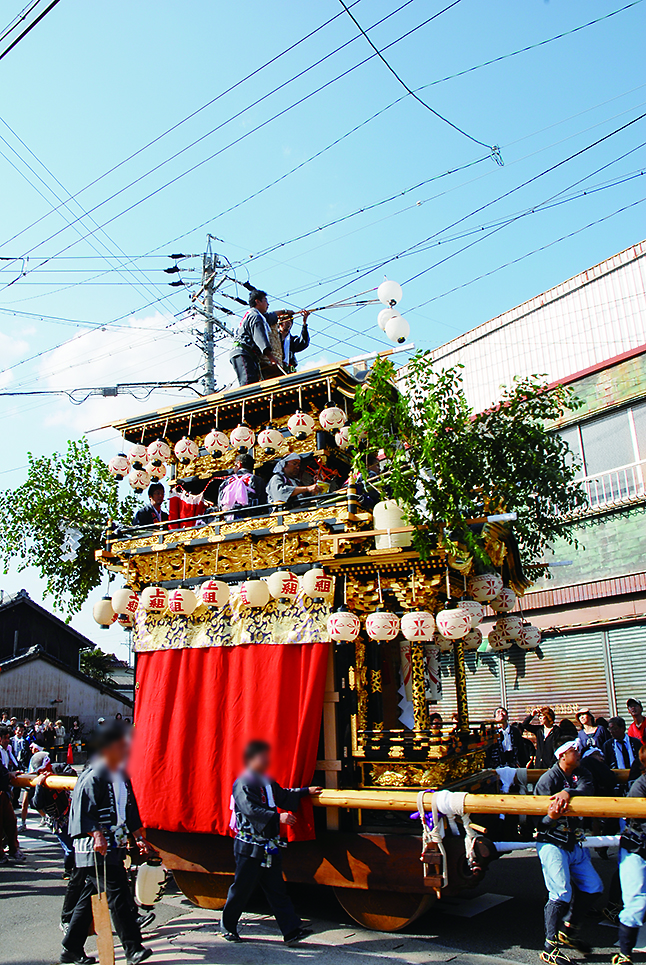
(208, 276)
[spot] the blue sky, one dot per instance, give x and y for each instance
(93, 84)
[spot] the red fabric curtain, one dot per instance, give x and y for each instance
(195, 711)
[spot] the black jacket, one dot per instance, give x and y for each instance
(545, 746)
(145, 516)
(555, 780)
(610, 752)
(94, 808)
(255, 817)
(21, 752)
(497, 756)
(55, 803)
(603, 779)
(293, 344)
(251, 337)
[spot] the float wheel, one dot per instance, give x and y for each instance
(204, 890)
(383, 910)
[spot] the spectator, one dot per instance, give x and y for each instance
(638, 727)
(7, 756)
(591, 733)
(8, 823)
(509, 749)
(152, 512)
(20, 747)
(547, 734)
(60, 736)
(620, 751)
(284, 486)
(49, 736)
(242, 491)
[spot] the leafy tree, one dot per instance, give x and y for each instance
(97, 664)
(54, 520)
(448, 465)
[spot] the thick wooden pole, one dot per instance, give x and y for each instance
(54, 781)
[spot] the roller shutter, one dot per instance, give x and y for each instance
(572, 674)
(628, 661)
(483, 686)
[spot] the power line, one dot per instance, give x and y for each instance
(495, 150)
(18, 19)
(29, 28)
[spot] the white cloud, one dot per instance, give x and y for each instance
(11, 351)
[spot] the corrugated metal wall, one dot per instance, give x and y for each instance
(572, 674)
(627, 646)
(483, 686)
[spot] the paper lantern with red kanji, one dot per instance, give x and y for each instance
(474, 609)
(453, 624)
(216, 443)
(332, 418)
(154, 599)
(418, 625)
(254, 593)
(125, 600)
(283, 585)
(269, 440)
(317, 584)
(485, 587)
(137, 456)
(138, 479)
(214, 593)
(186, 450)
(119, 466)
(504, 602)
(158, 452)
(301, 425)
(473, 639)
(510, 625)
(342, 437)
(498, 641)
(529, 637)
(343, 625)
(442, 643)
(242, 438)
(382, 625)
(156, 472)
(182, 600)
(103, 612)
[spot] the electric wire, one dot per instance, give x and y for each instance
(28, 29)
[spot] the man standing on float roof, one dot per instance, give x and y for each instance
(252, 341)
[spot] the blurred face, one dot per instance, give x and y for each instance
(27, 723)
(617, 732)
(116, 754)
(260, 763)
(501, 716)
(20, 731)
(4, 741)
(157, 497)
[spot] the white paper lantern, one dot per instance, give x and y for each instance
(301, 425)
(214, 593)
(125, 600)
(182, 600)
(317, 584)
(397, 329)
(529, 637)
(473, 639)
(103, 612)
(137, 456)
(119, 466)
(332, 418)
(383, 317)
(389, 292)
(186, 450)
(504, 602)
(342, 437)
(418, 625)
(453, 624)
(382, 625)
(254, 593)
(343, 625)
(242, 438)
(154, 599)
(158, 452)
(498, 642)
(270, 439)
(156, 472)
(283, 585)
(510, 626)
(442, 643)
(126, 620)
(138, 479)
(485, 587)
(474, 609)
(216, 443)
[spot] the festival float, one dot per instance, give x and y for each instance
(328, 628)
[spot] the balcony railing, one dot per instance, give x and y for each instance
(615, 487)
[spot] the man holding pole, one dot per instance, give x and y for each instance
(564, 860)
(252, 347)
(632, 875)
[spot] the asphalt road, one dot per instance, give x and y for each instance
(500, 920)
